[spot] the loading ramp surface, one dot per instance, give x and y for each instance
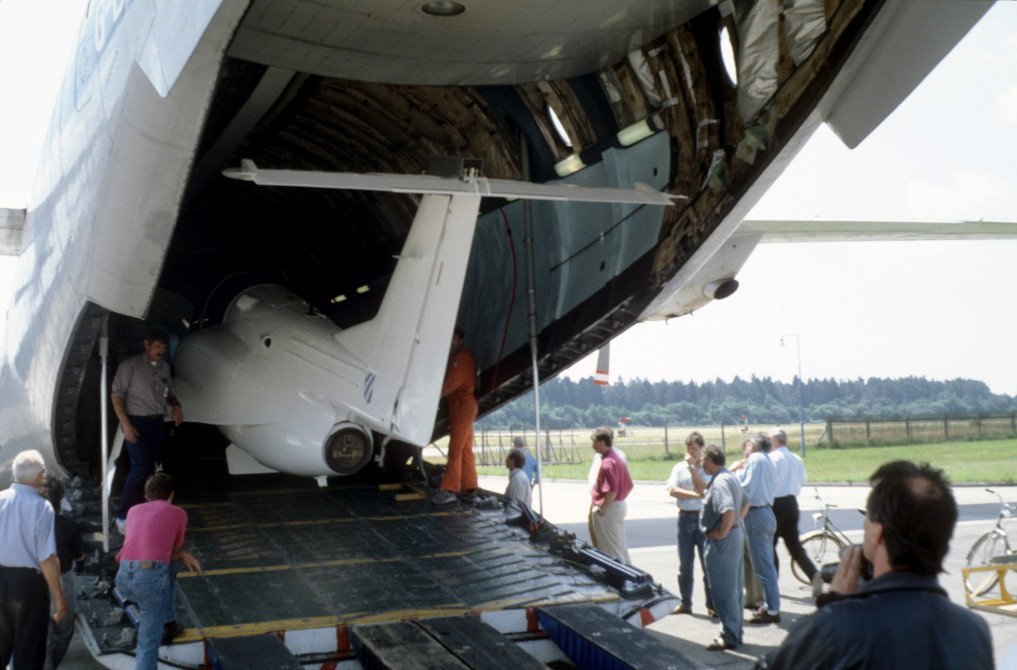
(301, 562)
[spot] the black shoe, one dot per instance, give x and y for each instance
(719, 644)
(763, 616)
(752, 606)
(171, 631)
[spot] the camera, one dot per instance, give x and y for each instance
(828, 570)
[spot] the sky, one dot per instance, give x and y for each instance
(936, 309)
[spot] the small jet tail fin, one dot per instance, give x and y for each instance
(603, 359)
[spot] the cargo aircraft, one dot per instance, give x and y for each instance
(310, 194)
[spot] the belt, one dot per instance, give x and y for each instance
(759, 506)
(145, 565)
(150, 417)
(19, 568)
(689, 511)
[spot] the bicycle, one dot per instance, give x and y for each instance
(992, 548)
(822, 545)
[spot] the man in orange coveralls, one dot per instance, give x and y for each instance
(461, 471)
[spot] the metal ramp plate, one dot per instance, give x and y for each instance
(593, 638)
(401, 645)
(480, 646)
(254, 652)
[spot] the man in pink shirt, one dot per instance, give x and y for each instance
(154, 537)
(612, 486)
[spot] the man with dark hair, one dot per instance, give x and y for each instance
(140, 397)
(519, 488)
(69, 548)
(790, 478)
(687, 485)
(461, 470)
(28, 565)
(147, 577)
(902, 618)
(722, 525)
(610, 489)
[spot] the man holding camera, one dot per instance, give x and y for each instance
(902, 618)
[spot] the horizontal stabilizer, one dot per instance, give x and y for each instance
(640, 194)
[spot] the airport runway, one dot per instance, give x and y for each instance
(651, 535)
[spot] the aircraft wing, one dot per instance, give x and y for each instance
(816, 230)
(691, 288)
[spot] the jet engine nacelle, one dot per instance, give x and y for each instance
(278, 382)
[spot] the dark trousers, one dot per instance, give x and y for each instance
(24, 618)
(785, 509)
(144, 454)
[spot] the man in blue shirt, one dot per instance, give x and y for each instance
(530, 467)
(758, 476)
(28, 564)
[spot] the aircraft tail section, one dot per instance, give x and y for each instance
(408, 340)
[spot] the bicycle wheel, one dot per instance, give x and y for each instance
(821, 548)
(987, 550)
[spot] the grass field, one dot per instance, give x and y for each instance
(993, 461)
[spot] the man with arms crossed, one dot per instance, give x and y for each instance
(28, 565)
(687, 484)
(790, 478)
(612, 486)
(146, 577)
(903, 617)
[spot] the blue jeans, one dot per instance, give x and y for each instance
(760, 527)
(144, 454)
(690, 539)
(153, 591)
(723, 561)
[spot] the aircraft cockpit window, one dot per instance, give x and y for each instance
(558, 127)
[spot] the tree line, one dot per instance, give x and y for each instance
(570, 404)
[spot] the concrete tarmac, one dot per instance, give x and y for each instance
(651, 530)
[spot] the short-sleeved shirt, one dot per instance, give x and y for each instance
(591, 475)
(519, 487)
(758, 478)
(723, 494)
(27, 528)
(530, 468)
(681, 477)
(790, 472)
(143, 384)
(612, 476)
(154, 530)
(69, 546)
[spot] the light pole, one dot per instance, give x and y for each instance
(801, 393)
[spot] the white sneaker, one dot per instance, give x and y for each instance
(443, 497)
(121, 525)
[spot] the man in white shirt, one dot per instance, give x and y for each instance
(519, 488)
(790, 478)
(687, 485)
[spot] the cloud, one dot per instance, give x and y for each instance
(970, 195)
(1008, 106)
